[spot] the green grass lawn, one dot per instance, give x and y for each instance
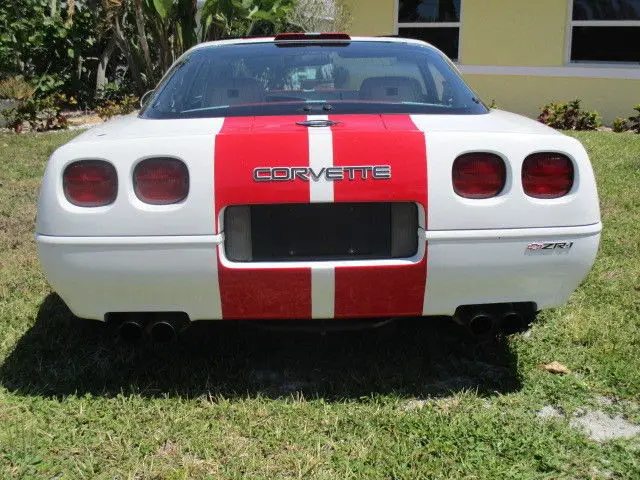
(410, 401)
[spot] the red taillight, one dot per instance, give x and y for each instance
(547, 175)
(161, 181)
(90, 183)
(478, 175)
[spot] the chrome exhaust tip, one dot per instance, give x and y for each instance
(163, 332)
(131, 331)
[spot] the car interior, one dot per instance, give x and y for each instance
(224, 81)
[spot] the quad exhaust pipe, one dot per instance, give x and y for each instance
(163, 331)
(482, 324)
(160, 327)
(512, 322)
(485, 321)
(131, 331)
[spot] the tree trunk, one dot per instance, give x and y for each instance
(143, 38)
(101, 73)
(165, 48)
(71, 9)
(79, 67)
(123, 44)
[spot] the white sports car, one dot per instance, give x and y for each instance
(316, 176)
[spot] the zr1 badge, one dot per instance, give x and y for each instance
(539, 246)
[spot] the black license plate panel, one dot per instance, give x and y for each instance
(327, 231)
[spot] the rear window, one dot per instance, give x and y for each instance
(312, 78)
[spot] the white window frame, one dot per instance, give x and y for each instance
(398, 25)
(592, 23)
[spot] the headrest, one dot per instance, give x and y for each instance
(236, 91)
(394, 89)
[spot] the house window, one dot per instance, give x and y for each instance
(433, 21)
(605, 31)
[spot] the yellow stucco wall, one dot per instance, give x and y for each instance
(371, 17)
(495, 32)
(516, 33)
(610, 97)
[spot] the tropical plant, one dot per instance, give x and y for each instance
(16, 88)
(38, 114)
(634, 121)
(52, 38)
(320, 16)
(231, 18)
(620, 125)
(569, 116)
(110, 108)
(75, 47)
(173, 26)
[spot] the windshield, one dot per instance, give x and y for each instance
(314, 78)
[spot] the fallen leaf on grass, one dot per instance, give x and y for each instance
(556, 367)
(611, 275)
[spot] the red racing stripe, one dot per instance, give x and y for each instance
(381, 140)
(242, 145)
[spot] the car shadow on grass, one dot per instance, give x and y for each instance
(414, 358)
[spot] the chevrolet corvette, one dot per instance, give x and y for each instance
(316, 176)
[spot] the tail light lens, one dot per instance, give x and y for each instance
(478, 175)
(90, 183)
(547, 175)
(161, 181)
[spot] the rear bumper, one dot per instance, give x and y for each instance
(98, 275)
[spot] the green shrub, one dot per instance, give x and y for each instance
(48, 84)
(20, 115)
(38, 114)
(109, 108)
(116, 99)
(112, 91)
(16, 88)
(569, 116)
(49, 115)
(620, 125)
(634, 121)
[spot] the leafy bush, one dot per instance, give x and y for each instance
(634, 121)
(16, 117)
(569, 116)
(620, 125)
(109, 108)
(50, 43)
(16, 88)
(48, 84)
(39, 114)
(320, 16)
(75, 47)
(116, 91)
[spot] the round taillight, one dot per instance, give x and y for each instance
(547, 175)
(478, 175)
(90, 183)
(161, 181)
